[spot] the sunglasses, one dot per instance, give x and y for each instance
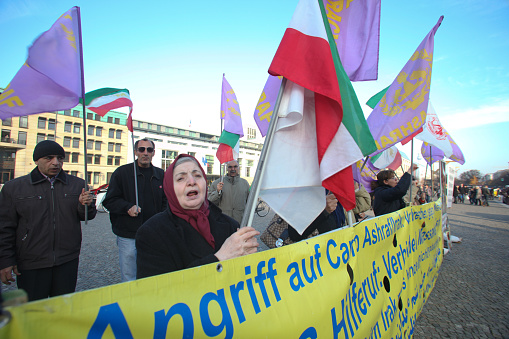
(149, 149)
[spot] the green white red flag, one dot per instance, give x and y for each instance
(228, 149)
(312, 147)
(103, 100)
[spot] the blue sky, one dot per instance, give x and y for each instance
(172, 55)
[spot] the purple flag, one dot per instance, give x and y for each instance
(402, 110)
(366, 177)
(431, 153)
(230, 110)
(355, 26)
(265, 106)
(50, 80)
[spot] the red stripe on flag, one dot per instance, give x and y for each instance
(224, 153)
(410, 137)
(102, 110)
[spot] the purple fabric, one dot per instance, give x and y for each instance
(402, 110)
(366, 177)
(230, 110)
(355, 27)
(265, 106)
(431, 153)
(50, 80)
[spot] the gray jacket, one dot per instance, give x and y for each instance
(233, 197)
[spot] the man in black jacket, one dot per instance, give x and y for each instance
(40, 229)
(126, 216)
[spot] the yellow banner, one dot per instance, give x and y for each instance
(371, 280)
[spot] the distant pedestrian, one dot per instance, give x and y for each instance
(485, 195)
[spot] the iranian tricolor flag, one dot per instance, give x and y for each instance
(103, 100)
(228, 149)
(313, 148)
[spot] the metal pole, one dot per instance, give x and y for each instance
(411, 170)
(247, 218)
(364, 163)
(84, 106)
(135, 175)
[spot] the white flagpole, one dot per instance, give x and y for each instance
(247, 218)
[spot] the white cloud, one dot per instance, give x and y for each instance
(484, 115)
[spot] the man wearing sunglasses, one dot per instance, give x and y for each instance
(126, 217)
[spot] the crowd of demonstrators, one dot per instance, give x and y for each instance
(191, 232)
(40, 229)
(130, 206)
(230, 193)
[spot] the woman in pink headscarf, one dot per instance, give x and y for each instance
(191, 232)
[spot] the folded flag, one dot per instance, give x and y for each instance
(366, 176)
(431, 153)
(50, 79)
(389, 158)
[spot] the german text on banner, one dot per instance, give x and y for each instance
(435, 134)
(371, 280)
(402, 110)
(50, 79)
(356, 30)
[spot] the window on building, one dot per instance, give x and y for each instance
(67, 141)
(41, 123)
(110, 120)
(110, 146)
(168, 130)
(6, 135)
(250, 163)
(98, 145)
(67, 112)
(90, 116)
(67, 156)
(77, 128)
(76, 143)
(110, 160)
(158, 128)
(239, 160)
(117, 121)
(182, 132)
(40, 137)
(251, 133)
(111, 133)
(98, 131)
(75, 173)
(68, 126)
(91, 129)
(118, 147)
(119, 134)
(97, 159)
(22, 138)
(117, 161)
(75, 158)
(90, 144)
(75, 113)
(50, 137)
(210, 163)
(149, 126)
(193, 154)
(248, 172)
(7, 122)
(51, 124)
(89, 178)
(23, 122)
(97, 177)
(97, 117)
(90, 157)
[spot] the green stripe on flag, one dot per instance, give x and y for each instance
(375, 99)
(353, 117)
(100, 93)
(229, 139)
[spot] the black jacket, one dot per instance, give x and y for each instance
(167, 243)
(390, 199)
(121, 196)
(40, 224)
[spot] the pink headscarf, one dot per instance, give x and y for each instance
(197, 218)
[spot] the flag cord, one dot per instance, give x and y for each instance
(84, 107)
(252, 200)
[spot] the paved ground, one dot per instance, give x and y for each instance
(470, 298)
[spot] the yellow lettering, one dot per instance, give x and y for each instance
(267, 116)
(423, 117)
(234, 111)
(377, 145)
(222, 114)
(348, 3)
(10, 101)
(408, 129)
(385, 141)
(332, 8)
(416, 122)
(395, 134)
(230, 92)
